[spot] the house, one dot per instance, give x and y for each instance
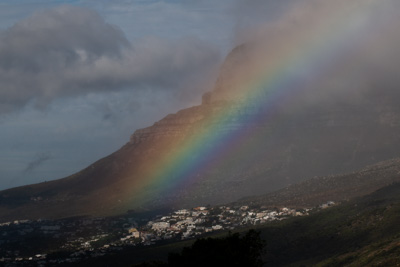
(182, 212)
(244, 208)
(158, 226)
(217, 227)
(134, 232)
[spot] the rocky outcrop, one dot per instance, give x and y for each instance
(173, 125)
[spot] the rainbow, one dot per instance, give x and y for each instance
(298, 54)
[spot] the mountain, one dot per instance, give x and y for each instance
(244, 139)
(312, 192)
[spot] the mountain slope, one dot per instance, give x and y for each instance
(317, 190)
(227, 148)
(362, 232)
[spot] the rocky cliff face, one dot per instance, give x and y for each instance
(276, 148)
(174, 125)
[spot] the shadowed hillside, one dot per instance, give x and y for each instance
(313, 192)
(220, 151)
(361, 232)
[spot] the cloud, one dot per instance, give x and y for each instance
(72, 51)
(38, 161)
(355, 47)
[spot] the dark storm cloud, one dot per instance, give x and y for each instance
(70, 51)
(37, 161)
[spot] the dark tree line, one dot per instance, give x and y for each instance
(232, 250)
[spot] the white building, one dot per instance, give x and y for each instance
(217, 227)
(158, 226)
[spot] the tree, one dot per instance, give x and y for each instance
(232, 250)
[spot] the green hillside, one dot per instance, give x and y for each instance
(362, 232)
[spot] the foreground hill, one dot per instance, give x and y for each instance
(229, 147)
(360, 232)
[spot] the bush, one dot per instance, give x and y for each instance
(232, 250)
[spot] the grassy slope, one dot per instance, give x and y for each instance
(365, 231)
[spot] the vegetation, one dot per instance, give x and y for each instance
(232, 250)
(362, 232)
(357, 233)
(317, 190)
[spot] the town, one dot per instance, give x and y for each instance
(71, 240)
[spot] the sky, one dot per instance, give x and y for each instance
(78, 77)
